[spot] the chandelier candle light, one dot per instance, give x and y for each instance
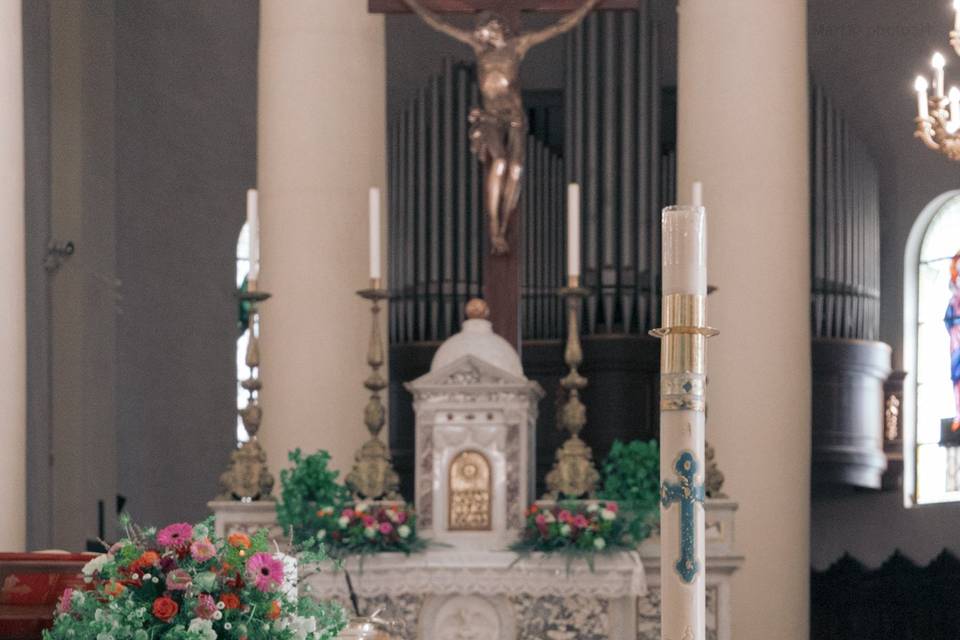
(938, 115)
(682, 406)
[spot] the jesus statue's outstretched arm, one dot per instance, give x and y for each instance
(434, 21)
(564, 24)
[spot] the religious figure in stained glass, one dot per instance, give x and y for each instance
(470, 492)
(952, 321)
(498, 130)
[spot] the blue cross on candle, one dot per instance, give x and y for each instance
(687, 494)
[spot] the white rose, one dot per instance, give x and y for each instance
(203, 627)
(370, 532)
(343, 522)
(606, 514)
(321, 534)
(403, 531)
(96, 564)
(565, 530)
(548, 517)
(592, 507)
(361, 507)
(599, 543)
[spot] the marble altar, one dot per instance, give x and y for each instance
(475, 425)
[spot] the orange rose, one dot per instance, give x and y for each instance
(274, 610)
(113, 588)
(165, 608)
(239, 540)
(230, 601)
(146, 559)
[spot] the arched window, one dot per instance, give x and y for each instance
(243, 268)
(932, 455)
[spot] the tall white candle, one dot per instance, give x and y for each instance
(938, 62)
(922, 103)
(682, 461)
(684, 250)
(253, 231)
(697, 195)
(374, 233)
(573, 230)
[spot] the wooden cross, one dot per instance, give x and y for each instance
(688, 494)
(501, 274)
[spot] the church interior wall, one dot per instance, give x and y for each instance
(865, 54)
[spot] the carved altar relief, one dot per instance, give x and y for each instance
(470, 492)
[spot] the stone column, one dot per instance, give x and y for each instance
(13, 315)
(321, 144)
(743, 120)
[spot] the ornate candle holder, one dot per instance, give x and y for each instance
(574, 474)
(248, 477)
(373, 476)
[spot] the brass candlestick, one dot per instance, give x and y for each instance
(574, 474)
(248, 477)
(373, 476)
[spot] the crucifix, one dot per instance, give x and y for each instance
(688, 494)
(498, 128)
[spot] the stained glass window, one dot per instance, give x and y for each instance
(938, 466)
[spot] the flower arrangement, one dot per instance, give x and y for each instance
(183, 583)
(631, 476)
(576, 528)
(317, 509)
(369, 528)
(305, 487)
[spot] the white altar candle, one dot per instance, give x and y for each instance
(684, 251)
(697, 194)
(253, 236)
(573, 230)
(921, 86)
(374, 233)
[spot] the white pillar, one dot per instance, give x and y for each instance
(13, 314)
(321, 145)
(743, 115)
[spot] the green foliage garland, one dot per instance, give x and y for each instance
(306, 488)
(631, 476)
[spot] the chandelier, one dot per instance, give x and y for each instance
(938, 114)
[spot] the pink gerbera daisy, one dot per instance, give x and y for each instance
(202, 550)
(176, 535)
(265, 571)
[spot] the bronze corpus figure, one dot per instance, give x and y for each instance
(498, 130)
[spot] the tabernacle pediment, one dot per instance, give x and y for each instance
(468, 370)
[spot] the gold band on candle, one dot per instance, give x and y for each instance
(683, 352)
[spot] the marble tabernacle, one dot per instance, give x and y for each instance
(475, 425)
